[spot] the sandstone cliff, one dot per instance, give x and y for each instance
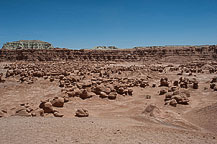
(136, 54)
(27, 44)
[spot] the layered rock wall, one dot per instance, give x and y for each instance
(135, 54)
(27, 44)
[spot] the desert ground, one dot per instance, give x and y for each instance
(108, 102)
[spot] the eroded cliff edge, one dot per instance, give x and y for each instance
(135, 54)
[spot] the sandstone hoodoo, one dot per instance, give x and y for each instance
(26, 45)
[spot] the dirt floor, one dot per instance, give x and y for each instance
(114, 114)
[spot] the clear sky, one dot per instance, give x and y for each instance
(123, 23)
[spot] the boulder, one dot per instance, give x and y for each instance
(162, 92)
(130, 92)
(120, 90)
(81, 113)
(38, 112)
(147, 96)
(98, 89)
(85, 94)
(215, 88)
(176, 83)
(112, 95)
(164, 82)
(86, 83)
(176, 92)
(181, 99)
(212, 85)
(57, 102)
(103, 95)
(1, 75)
(9, 73)
(173, 102)
(57, 114)
(61, 83)
(184, 85)
(47, 107)
(77, 92)
(168, 96)
(51, 79)
(152, 110)
(172, 89)
(61, 77)
(2, 114)
(144, 84)
(38, 74)
(22, 112)
(214, 80)
(195, 85)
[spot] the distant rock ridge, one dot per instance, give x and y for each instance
(105, 48)
(27, 44)
(166, 54)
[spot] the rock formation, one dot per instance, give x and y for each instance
(105, 48)
(165, 54)
(27, 44)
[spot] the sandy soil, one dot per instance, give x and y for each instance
(111, 121)
(19, 130)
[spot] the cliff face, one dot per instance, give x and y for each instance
(27, 44)
(136, 54)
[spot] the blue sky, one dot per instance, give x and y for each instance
(123, 23)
